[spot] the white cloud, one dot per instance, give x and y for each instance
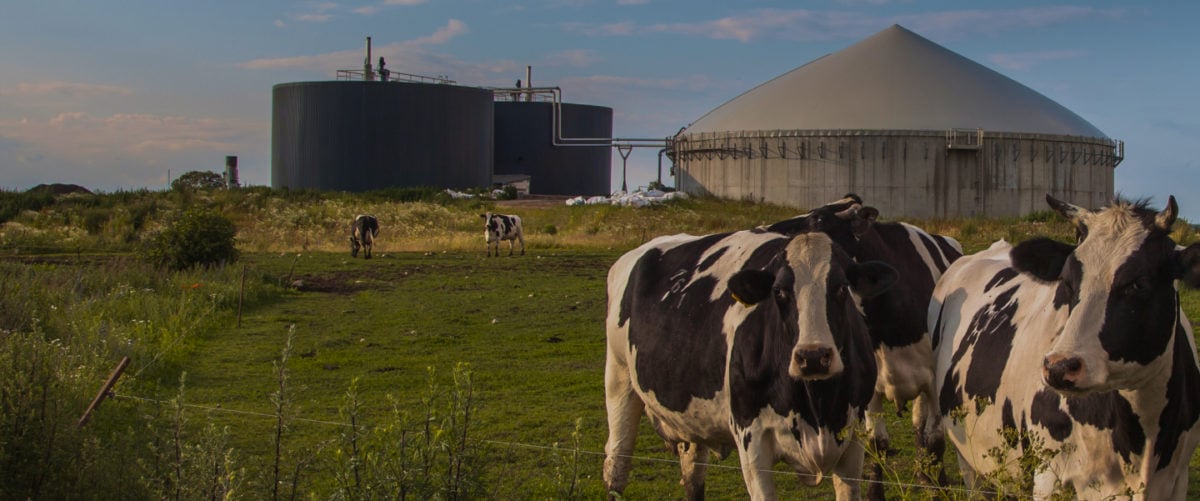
(279, 23)
(1021, 61)
(61, 89)
(366, 10)
(805, 24)
(408, 54)
(403, 2)
(578, 58)
(316, 12)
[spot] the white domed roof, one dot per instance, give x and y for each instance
(894, 80)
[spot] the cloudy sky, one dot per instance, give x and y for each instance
(121, 95)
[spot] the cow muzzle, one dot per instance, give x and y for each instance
(1063, 373)
(814, 362)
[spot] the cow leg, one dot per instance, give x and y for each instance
(522, 239)
(848, 471)
(511, 244)
(758, 457)
(624, 412)
(693, 463)
(930, 437)
(876, 427)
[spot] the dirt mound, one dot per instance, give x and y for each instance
(59, 189)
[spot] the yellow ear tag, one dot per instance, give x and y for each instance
(738, 299)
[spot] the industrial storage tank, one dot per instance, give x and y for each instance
(913, 127)
(573, 158)
(365, 135)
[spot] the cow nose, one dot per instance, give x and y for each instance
(814, 361)
(1062, 372)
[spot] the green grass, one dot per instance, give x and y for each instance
(531, 327)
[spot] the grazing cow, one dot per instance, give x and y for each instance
(1078, 355)
(896, 318)
(748, 340)
(362, 234)
(502, 227)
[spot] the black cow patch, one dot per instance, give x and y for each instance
(1110, 411)
(990, 335)
(1141, 308)
(896, 318)
(1182, 409)
(1045, 411)
(680, 352)
(1001, 278)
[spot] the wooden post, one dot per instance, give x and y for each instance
(105, 391)
(241, 296)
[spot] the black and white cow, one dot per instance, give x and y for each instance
(1076, 350)
(362, 234)
(748, 340)
(502, 227)
(896, 318)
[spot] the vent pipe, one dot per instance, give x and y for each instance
(231, 172)
(528, 82)
(368, 74)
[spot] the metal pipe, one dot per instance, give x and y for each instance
(368, 74)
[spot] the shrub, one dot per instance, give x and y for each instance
(200, 237)
(198, 180)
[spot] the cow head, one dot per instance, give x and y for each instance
(1118, 285)
(807, 296)
(491, 226)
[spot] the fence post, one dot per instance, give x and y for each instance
(104, 391)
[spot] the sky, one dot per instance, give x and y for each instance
(126, 95)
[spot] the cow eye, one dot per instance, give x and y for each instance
(1136, 287)
(781, 294)
(842, 292)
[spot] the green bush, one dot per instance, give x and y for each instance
(198, 180)
(200, 237)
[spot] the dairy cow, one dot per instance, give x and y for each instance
(363, 231)
(1078, 354)
(748, 341)
(896, 318)
(499, 227)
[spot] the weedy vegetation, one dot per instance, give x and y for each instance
(431, 372)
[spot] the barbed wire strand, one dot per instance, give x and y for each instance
(961, 490)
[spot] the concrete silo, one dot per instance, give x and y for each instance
(914, 128)
(363, 135)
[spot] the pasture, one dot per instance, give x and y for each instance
(326, 341)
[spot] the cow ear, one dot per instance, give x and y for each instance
(751, 286)
(871, 278)
(1187, 265)
(1041, 257)
(865, 218)
(483, 216)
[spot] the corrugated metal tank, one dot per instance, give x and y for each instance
(524, 145)
(359, 135)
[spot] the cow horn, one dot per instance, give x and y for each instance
(1166, 218)
(1072, 212)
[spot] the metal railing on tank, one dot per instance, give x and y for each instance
(391, 76)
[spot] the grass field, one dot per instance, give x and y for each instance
(368, 339)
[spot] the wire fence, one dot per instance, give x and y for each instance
(963, 491)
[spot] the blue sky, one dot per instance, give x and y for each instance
(116, 95)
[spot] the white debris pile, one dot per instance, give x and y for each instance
(458, 194)
(636, 199)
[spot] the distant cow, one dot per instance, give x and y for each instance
(1077, 350)
(362, 234)
(499, 227)
(896, 318)
(748, 340)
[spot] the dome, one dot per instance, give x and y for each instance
(894, 80)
